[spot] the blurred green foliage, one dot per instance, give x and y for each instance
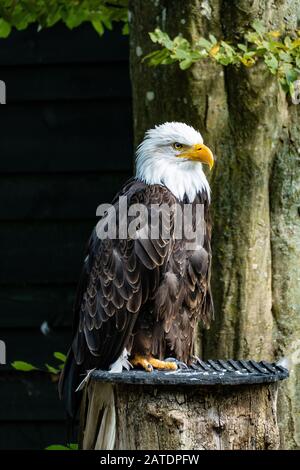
(102, 14)
(54, 370)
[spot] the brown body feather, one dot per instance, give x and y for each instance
(144, 295)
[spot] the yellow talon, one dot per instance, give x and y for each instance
(149, 363)
(162, 364)
(142, 362)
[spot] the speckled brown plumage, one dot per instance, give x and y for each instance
(145, 295)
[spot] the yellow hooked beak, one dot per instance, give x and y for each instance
(199, 153)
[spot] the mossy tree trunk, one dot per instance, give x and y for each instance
(164, 417)
(253, 130)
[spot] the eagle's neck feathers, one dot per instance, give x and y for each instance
(181, 178)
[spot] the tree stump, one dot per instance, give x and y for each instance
(221, 405)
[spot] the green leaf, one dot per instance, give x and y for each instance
(295, 43)
(291, 76)
(5, 28)
(182, 43)
(285, 56)
(228, 50)
(162, 38)
(252, 37)
(202, 42)
(243, 47)
(73, 446)
(272, 63)
(107, 22)
(125, 29)
(73, 18)
(247, 61)
(185, 64)
(98, 26)
(62, 447)
(57, 447)
(52, 369)
(60, 356)
(198, 54)
(287, 42)
(23, 366)
(150, 55)
(258, 26)
(153, 36)
(213, 39)
(157, 57)
(291, 88)
(181, 54)
(284, 85)
(225, 60)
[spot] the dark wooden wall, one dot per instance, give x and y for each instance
(65, 147)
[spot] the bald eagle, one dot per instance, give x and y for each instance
(145, 295)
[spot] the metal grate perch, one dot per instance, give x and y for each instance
(211, 372)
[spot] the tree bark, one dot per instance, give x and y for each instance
(184, 418)
(253, 130)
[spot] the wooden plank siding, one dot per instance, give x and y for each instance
(65, 147)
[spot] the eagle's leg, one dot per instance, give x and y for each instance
(149, 363)
(142, 361)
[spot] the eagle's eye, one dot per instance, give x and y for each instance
(177, 146)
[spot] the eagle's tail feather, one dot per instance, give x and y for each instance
(107, 426)
(100, 418)
(103, 406)
(68, 382)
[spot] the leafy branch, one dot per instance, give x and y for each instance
(53, 370)
(280, 52)
(100, 13)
